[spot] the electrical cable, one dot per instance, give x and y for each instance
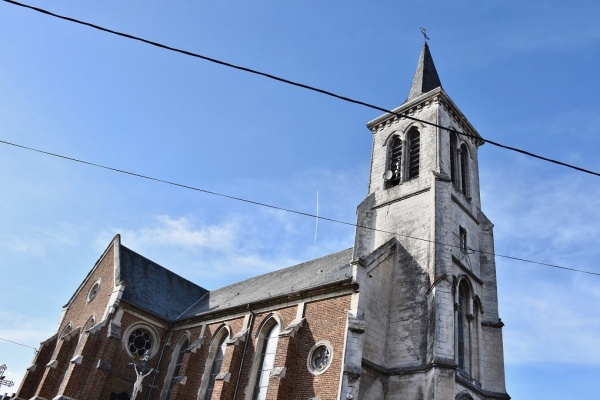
(301, 85)
(20, 344)
(266, 205)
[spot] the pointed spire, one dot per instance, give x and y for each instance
(426, 77)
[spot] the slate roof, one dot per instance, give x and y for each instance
(426, 77)
(329, 269)
(154, 288)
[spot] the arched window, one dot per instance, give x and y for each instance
(464, 395)
(460, 325)
(178, 361)
(467, 330)
(476, 337)
(414, 144)
(395, 162)
(214, 361)
(464, 169)
(453, 158)
(216, 367)
(267, 362)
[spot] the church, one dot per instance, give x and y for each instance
(409, 312)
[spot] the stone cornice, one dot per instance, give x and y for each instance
(477, 389)
(400, 198)
(435, 363)
(437, 96)
(333, 289)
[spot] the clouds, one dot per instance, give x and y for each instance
(547, 219)
(552, 320)
(24, 329)
(545, 214)
(182, 233)
(243, 240)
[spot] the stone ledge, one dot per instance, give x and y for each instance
(490, 324)
(223, 376)
(435, 363)
(486, 393)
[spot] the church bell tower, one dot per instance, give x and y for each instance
(425, 322)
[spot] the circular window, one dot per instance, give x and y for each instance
(320, 357)
(139, 342)
(93, 291)
(140, 338)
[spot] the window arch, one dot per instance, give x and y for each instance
(66, 330)
(176, 362)
(452, 154)
(214, 361)
(476, 340)
(468, 331)
(413, 154)
(216, 367)
(461, 325)
(89, 324)
(464, 395)
(464, 169)
(264, 361)
(395, 162)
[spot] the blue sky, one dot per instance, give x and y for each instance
(524, 73)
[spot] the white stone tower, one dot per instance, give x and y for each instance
(424, 322)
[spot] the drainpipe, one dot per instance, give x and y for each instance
(160, 359)
(239, 377)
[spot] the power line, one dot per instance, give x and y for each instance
(289, 210)
(300, 85)
(20, 344)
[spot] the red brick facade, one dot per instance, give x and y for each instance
(88, 362)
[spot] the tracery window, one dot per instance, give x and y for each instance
(267, 362)
(320, 357)
(175, 375)
(467, 330)
(139, 341)
(216, 367)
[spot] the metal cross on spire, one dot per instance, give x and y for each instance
(424, 32)
(2, 380)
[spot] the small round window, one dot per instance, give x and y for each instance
(320, 357)
(139, 342)
(93, 291)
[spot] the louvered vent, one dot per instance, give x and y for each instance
(413, 154)
(395, 162)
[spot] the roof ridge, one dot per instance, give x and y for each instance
(282, 269)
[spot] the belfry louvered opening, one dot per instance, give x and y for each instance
(414, 146)
(395, 163)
